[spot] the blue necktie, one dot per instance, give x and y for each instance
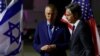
(50, 31)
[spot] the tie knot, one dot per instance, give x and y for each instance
(73, 27)
(50, 26)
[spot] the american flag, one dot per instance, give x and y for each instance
(87, 14)
(85, 8)
(10, 28)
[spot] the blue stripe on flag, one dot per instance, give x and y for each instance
(12, 11)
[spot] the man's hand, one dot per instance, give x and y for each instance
(48, 48)
(45, 47)
(52, 46)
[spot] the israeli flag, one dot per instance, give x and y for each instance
(10, 27)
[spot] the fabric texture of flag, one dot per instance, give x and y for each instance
(88, 16)
(10, 28)
(2, 5)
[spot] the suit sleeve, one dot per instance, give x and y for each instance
(36, 42)
(86, 40)
(65, 44)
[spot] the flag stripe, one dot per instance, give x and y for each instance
(10, 29)
(12, 11)
(96, 38)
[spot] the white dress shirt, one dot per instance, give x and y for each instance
(75, 25)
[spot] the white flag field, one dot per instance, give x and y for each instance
(10, 29)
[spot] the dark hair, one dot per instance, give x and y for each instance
(75, 8)
(53, 7)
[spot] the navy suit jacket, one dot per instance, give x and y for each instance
(81, 40)
(60, 37)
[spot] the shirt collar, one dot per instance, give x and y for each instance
(76, 23)
(48, 23)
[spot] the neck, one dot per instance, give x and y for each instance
(50, 23)
(74, 20)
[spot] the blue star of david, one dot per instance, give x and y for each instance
(10, 34)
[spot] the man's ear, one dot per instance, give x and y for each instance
(76, 16)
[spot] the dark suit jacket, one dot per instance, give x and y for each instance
(60, 37)
(81, 41)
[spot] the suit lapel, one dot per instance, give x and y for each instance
(76, 32)
(54, 33)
